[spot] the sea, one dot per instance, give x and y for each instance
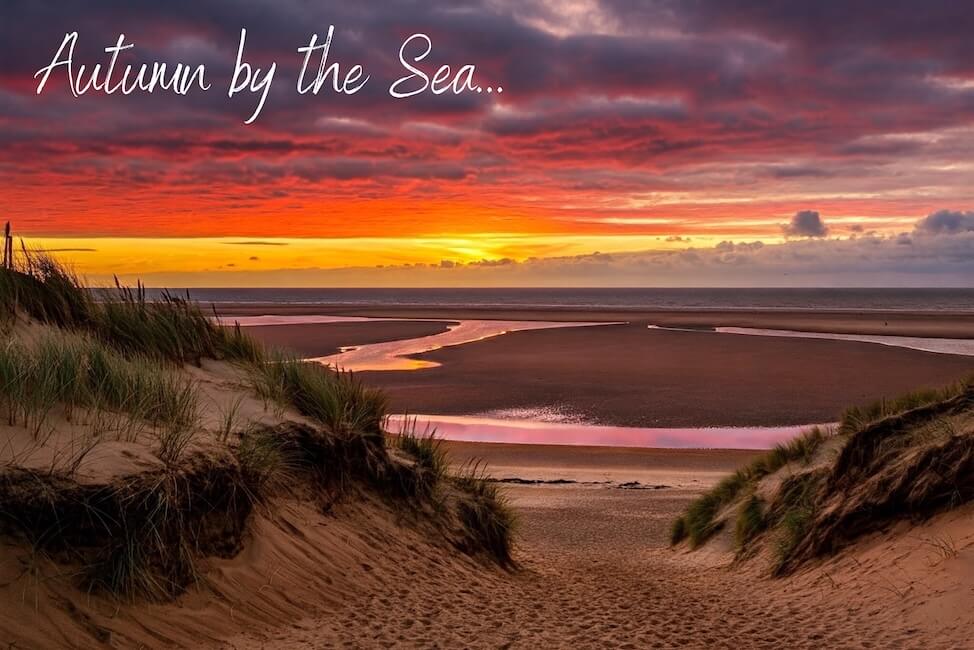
(891, 299)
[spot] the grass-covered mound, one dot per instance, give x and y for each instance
(139, 437)
(173, 328)
(906, 458)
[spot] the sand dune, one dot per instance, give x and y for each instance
(597, 571)
(205, 497)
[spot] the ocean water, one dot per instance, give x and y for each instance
(939, 300)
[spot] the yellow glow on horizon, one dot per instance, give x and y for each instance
(283, 261)
(98, 259)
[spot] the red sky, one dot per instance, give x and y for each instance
(623, 127)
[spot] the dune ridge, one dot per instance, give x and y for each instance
(147, 449)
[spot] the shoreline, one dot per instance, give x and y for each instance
(628, 375)
(525, 430)
(631, 376)
(606, 466)
(931, 324)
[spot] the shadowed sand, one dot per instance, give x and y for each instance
(597, 572)
(319, 340)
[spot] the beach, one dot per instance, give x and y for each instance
(318, 524)
(629, 375)
(596, 570)
(596, 565)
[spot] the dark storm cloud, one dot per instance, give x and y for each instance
(806, 223)
(946, 222)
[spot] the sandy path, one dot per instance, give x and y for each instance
(596, 572)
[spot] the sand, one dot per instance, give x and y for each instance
(595, 569)
(316, 340)
(627, 375)
(597, 572)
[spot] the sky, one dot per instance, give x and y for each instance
(654, 143)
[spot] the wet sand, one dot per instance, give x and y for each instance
(319, 340)
(560, 464)
(626, 375)
(595, 566)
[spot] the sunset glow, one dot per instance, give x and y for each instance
(619, 130)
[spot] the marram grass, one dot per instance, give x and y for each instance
(70, 373)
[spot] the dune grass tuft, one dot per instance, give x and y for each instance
(427, 452)
(678, 531)
(750, 521)
(45, 290)
(138, 537)
(858, 417)
(73, 372)
(336, 399)
(486, 514)
(172, 327)
(793, 510)
(698, 522)
(266, 460)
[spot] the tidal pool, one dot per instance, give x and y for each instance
(395, 355)
(487, 429)
(964, 347)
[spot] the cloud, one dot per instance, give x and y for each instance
(866, 261)
(603, 107)
(806, 223)
(946, 222)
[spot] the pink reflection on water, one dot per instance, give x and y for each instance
(482, 429)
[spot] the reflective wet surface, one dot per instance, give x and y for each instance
(394, 355)
(964, 347)
(487, 429)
